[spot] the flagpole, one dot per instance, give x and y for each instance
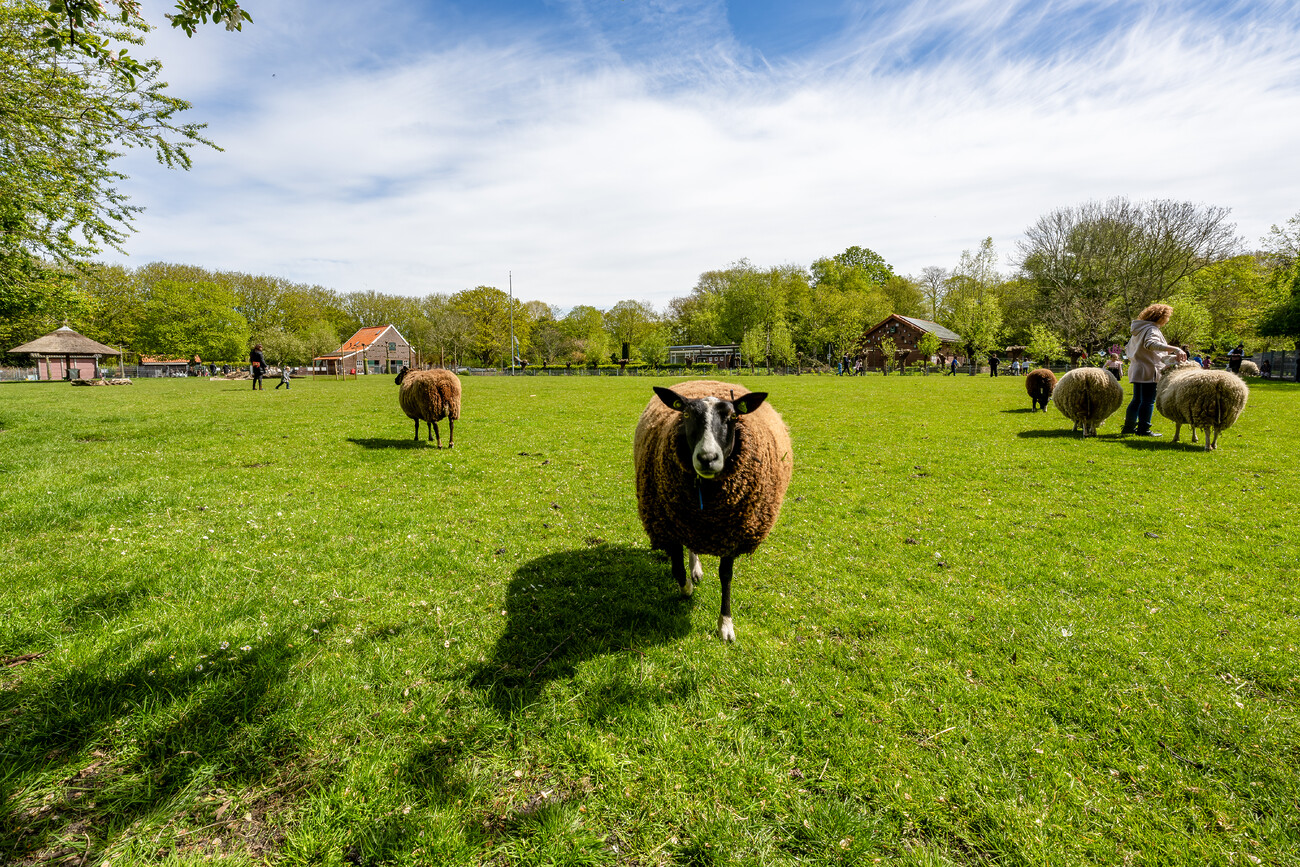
(511, 278)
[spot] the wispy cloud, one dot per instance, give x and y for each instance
(416, 153)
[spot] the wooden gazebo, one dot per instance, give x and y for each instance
(67, 354)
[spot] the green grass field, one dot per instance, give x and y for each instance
(269, 627)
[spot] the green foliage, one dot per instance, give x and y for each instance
(78, 25)
(963, 643)
(654, 347)
(491, 316)
(887, 349)
(1043, 346)
(182, 320)
(64, 120)
(1283, 318)
(1190, 324)
(282, 347)
(928, 345)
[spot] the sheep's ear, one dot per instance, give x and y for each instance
(671, 398)
(749, 402)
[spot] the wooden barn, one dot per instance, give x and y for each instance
(67, 354)
(906, 332)
(377, 349)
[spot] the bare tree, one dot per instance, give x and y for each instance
(934, 284)
(1098, 264)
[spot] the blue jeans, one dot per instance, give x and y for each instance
(1138, 415)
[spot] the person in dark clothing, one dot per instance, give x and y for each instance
(993, 365)
(1235, 356)
(258, 362)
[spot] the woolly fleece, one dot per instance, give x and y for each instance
(1088, 396)
(430, 395)
(1040, 383)
(1209, 399)
(741, 504)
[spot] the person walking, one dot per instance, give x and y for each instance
(284, 378)
(258, 362)
(952, 366)
(1146, 351)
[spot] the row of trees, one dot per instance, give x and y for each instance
(1081, 275)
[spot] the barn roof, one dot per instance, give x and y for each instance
(934, 328)
(65, 341)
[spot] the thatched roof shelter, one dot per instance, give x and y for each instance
(74, 350)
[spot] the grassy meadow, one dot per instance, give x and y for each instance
(248, 628)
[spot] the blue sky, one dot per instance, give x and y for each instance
(609, 149)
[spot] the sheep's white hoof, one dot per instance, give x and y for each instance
(697, 568)
(726, 631)
(688, 587)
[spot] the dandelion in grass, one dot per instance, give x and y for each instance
(246, 648)
(225, 644)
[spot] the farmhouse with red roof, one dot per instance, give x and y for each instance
(377, 349)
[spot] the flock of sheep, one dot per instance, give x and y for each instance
(713, 460)
(1186, 395)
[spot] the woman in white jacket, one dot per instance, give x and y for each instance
(1146, 350)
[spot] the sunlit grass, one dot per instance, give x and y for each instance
(271, 627)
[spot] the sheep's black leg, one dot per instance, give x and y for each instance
(679, 570)
(726, 631)
(451, 433)
(433, 425)
(417, 430)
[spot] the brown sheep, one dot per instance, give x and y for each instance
(430, 396)
(713, 462)
(1039, 383)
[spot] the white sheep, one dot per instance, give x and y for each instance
(713, 462)
(1087, 396)
(1209, 399)
(1249, 368)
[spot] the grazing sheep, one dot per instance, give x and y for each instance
(1087, 396)
(1039, 383)
(430, 396)
(1209, 399)
(1249, 368)
(713, 461)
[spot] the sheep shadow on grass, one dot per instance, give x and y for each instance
(565, 608)
(388, 443)
(1064, 432)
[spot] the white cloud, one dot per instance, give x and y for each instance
(594, 179)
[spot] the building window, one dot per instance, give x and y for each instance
(392, 346)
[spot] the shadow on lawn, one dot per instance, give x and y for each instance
(1062, 432)
(571, 606)
(376, 443)
(127, 739)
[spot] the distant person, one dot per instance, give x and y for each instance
(952, 366)
(1147, 350)
(284, 378)
(257, 361)
(1114, 365)
(1015, 367)
(993, 364)
(1235, 356)
(1266, 369)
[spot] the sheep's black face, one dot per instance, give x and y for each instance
(709, 425)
